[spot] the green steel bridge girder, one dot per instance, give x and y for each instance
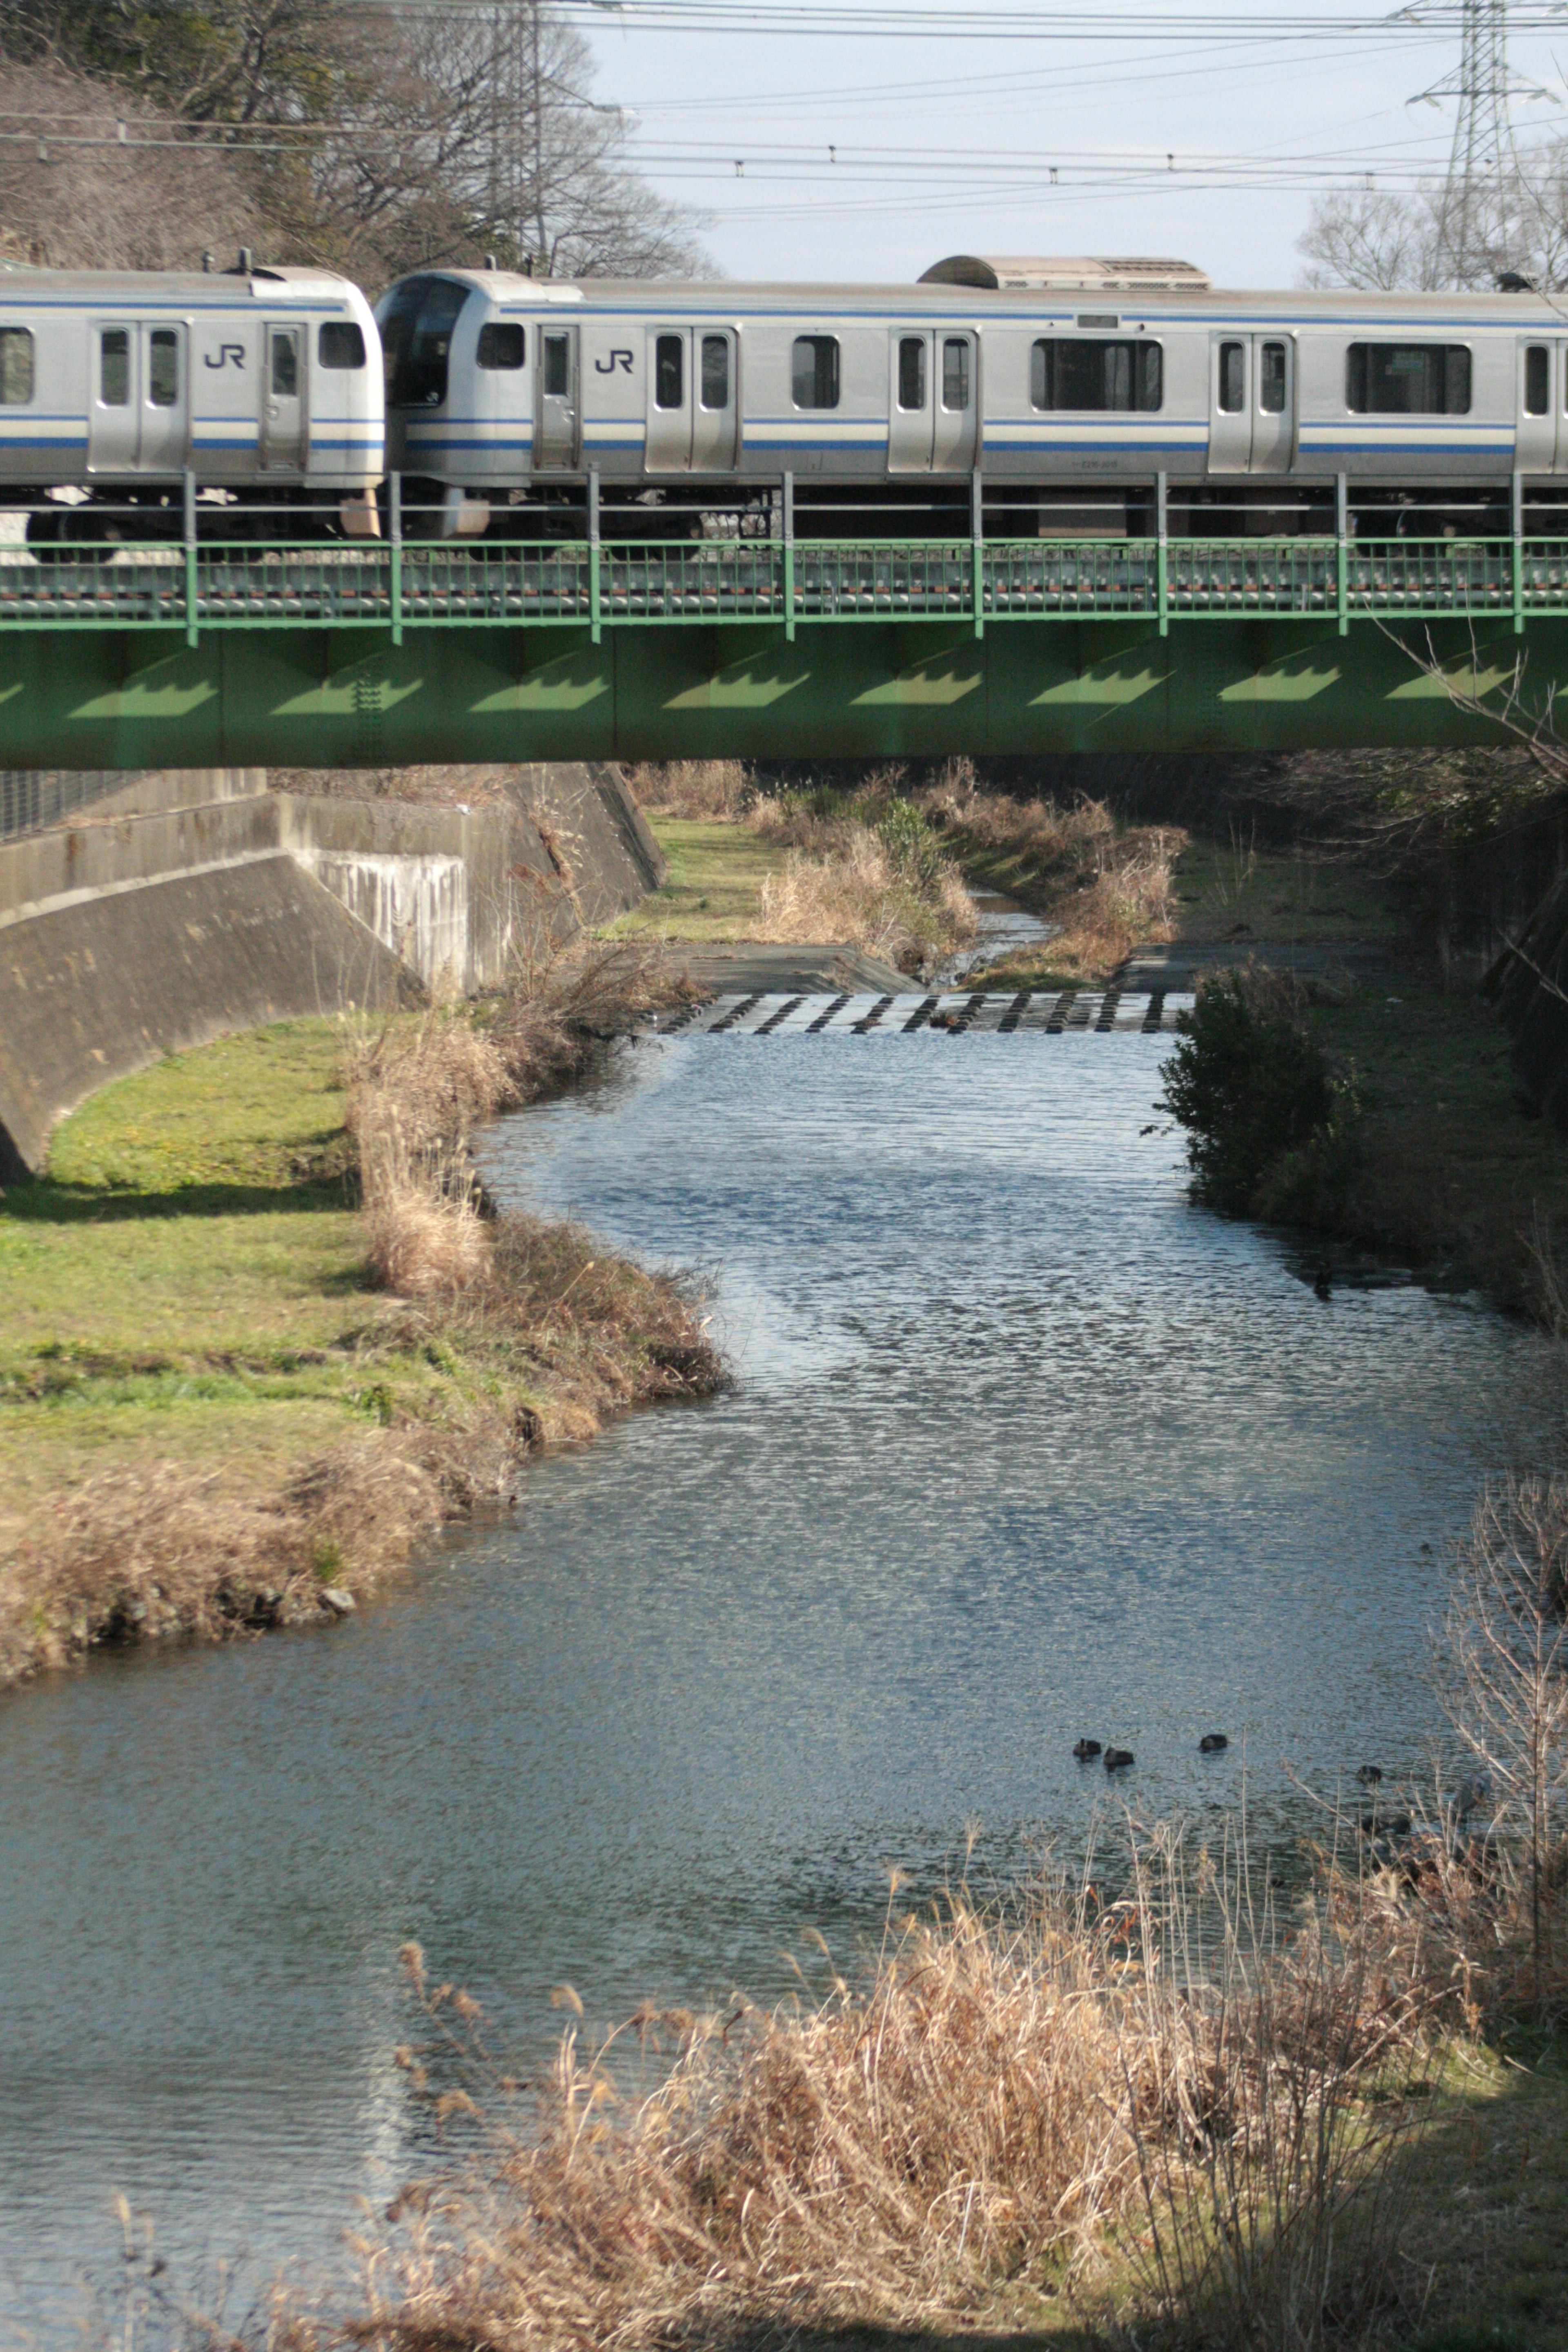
(343, 695)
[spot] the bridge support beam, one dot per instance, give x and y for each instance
(351, 696)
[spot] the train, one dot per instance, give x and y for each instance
(263, 387)
(1048, 396)
(1015, 397)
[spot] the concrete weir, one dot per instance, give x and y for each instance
(136, 930)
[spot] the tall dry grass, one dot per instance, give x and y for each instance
(854, 892)
(863, 867)
(419, 1089)
(975, 2115)
(691, 788)
(1110, 887)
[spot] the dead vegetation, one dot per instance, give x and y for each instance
(883, 859)
(864, 866)
(1182, 2117)
(1063, 2106)
(857, 892)
(1107, 886)
(535, 1335)
(692, 788)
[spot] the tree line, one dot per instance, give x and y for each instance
(363, 137)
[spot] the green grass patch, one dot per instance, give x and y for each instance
(187, 1280)
(713, 890)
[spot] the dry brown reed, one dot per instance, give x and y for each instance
(1109, 886)
(854, 893)
(973, 2115)
(419, 1089)
(1278, 2086)
(691, 788)
(864, 868)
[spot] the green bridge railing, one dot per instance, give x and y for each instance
(197, 588)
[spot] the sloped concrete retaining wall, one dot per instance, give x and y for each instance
(112, 929)
(93, 989)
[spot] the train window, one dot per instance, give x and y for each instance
(340, 344)
(1537, 381)
(285, 363)
(1232, 378)
(669, 372)
(1408, 380)
(813, 371)
(912, 371)
(16, 366)
(164, 374)
(502, 344)
(955, 373)
(557, 366)
(113, 366)
(715, 371)
(1271, 379)
(416, 321)
(1068, 373)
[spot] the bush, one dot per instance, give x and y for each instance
(1269, 1129)
(914, 849)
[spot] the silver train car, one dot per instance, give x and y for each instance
(266, 385)
(500, 387)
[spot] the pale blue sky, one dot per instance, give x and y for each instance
(942, 144)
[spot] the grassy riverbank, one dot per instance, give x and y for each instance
(252, 1352)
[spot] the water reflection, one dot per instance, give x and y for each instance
(1023, 1447)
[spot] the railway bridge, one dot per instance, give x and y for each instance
(206, 653)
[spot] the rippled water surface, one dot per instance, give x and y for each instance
(1023, 1446)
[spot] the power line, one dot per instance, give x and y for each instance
(860, 19)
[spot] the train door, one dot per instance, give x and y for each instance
(165, 432)
(715, 438)
(555, 433)
(114, 427)
(1252, 404)
(955, 415)
(669, 444)
(911, 418)
(1535, 429)
(283, 402)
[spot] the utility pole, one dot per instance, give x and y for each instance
(539, 149)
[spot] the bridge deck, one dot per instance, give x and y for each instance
(206, 587)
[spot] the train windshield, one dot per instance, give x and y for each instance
(416, 319)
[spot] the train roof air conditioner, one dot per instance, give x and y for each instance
(1074, 275)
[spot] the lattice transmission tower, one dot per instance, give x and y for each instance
(1479, 210)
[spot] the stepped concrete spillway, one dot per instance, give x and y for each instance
(1045, 1013)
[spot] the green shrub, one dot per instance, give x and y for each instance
(913, 846)
(1270, 1131)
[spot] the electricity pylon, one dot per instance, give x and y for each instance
(1478, 211)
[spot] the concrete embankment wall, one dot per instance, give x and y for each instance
(90, 992)
(129, 934)
(33, 797)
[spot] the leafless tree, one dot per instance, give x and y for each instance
(1371, 237)
(368, 138)
(456, 136)
(73, 197)
(1387, 241)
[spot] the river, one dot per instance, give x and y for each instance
(1022, 1447)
